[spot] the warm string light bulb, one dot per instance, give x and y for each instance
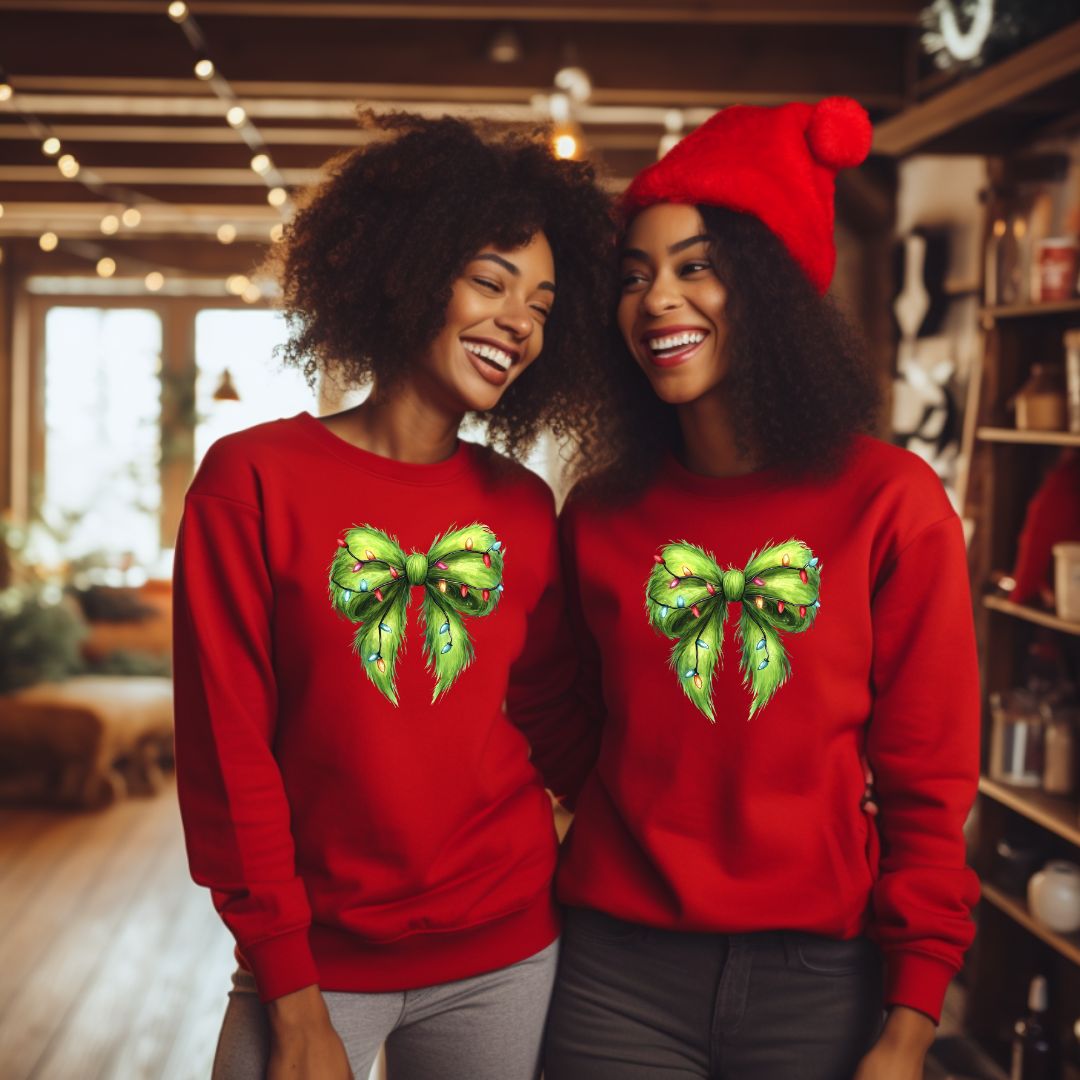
(110, 224)
(68, 166)
(260, 163)
(204, 69)
(226, 233)
(673, 132)
(48, 241)
(237, 283)
(131, 217)
(251, 294)
(276, 233)
(106, 267)
(51, 146)
(178, 11)
(277, 196)
(5, 91)
(236, 116)
(154, 280)
(565, 146)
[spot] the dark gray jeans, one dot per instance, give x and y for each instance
(636, 1003)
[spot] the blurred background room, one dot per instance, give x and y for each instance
(150, 155)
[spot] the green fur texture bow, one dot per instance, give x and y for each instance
(371, 582)
(686, 598)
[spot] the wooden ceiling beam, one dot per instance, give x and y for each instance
(161, 133)
(104, 158)
(783, 60)
(51, 90)
(140, 176)
(97, 142)
(191, 255)
(899, 13)
(71, 108)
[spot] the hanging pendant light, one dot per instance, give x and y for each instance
(226, 390)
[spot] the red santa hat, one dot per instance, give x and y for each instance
(779, 164)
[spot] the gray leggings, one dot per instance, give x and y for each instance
(488, 1027)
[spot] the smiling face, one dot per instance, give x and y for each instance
(494, 325)
(671, 305)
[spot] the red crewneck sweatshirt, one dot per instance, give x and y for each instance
(754, 823)
(348, 841)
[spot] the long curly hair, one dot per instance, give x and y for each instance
(368, 263)
(799, 383)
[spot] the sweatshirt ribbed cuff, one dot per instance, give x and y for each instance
(281, 964)
(917, 981)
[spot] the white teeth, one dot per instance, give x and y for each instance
(672, 341)
(489, 352)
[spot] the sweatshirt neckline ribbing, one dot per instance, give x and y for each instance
(438, 472)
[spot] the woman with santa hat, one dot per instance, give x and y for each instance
(765, 594)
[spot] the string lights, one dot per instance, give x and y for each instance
(236, 115)
(130, 216)
(72, 169)
(674, 122)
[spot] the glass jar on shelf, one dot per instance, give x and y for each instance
(1060, 747)
(1017, 738)
(1040, 402)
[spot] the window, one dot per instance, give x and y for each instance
(102, 491)
(242, 343)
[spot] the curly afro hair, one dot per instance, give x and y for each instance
(799, 383)
(368, 263)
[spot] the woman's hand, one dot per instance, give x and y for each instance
(867, 804)
(303, 1042)
(901, 1050)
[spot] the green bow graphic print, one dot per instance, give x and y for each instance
(686, 598)
(371, 582)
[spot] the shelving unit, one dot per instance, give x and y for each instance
(1031, 614)
(1005, 467)
(1025, 311)
(1027, 438)
(1060, 816)
(1068, 945)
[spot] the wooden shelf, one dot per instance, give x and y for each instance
(1030, 614)
(1058, 815)
(1028, 438)
(1025, 311)
(1066, 944)
(995, 89)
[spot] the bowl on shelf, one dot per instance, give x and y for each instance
(1054, 896)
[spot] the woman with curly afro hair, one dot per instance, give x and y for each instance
(371, 662)
(732, 909)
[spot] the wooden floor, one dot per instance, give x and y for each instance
(113, 964)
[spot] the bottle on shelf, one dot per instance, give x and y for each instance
(1032, 1057)
(1070, 1065)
